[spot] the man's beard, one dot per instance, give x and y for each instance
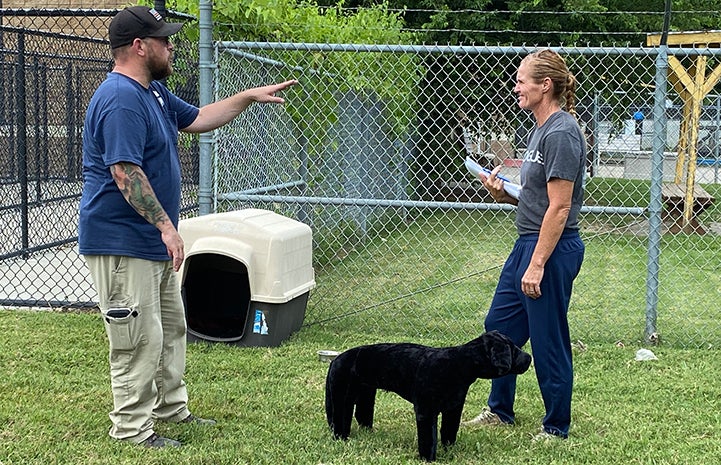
(160, 70)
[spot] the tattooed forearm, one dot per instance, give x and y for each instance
(136, 189)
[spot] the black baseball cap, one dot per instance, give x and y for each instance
(139, 22)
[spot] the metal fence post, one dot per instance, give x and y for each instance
(21, 134)
(70, 123)
(206, 78)
(655, 204)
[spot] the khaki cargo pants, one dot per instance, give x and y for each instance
(144, 319)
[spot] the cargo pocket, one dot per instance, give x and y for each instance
(120, 325)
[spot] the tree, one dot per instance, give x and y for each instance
(589, 22)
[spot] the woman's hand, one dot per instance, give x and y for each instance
(494, 184)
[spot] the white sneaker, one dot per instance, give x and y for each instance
(485, 418)
(545, 436)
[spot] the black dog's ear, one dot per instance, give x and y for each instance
(501, 356)
(498, 347)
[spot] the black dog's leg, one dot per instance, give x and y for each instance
(450, 421)
(329, 403)
(344, 418)
(339, 400)
(365, 404)
(427, 426)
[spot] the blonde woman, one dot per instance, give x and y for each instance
(533, 293)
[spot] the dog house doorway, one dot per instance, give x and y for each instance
(216, 292)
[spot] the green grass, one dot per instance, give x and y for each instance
(617, 192)
(436, 279)
(637, 193)
(55, 395)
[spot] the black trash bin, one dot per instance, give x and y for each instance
(246, 277)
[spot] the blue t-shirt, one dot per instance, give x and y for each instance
(125, 122)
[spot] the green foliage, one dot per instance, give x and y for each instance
(326, 76)
(304, 21)
(446, 22)
(565, 21)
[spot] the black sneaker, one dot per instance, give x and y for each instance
(198, 421)
(158, 442)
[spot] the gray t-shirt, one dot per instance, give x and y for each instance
(557, 149)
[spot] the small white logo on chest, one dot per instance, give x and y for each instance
(160, 99)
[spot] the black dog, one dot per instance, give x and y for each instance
(434, 380)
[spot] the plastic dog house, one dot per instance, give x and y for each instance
(246, 277)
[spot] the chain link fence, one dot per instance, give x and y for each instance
(51, 62)
(369, 151)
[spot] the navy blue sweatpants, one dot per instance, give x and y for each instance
(544, 321)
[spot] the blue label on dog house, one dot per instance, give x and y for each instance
(260, 325)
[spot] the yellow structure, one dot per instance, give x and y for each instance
(692, 85)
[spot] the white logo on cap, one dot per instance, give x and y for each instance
(155, 14)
